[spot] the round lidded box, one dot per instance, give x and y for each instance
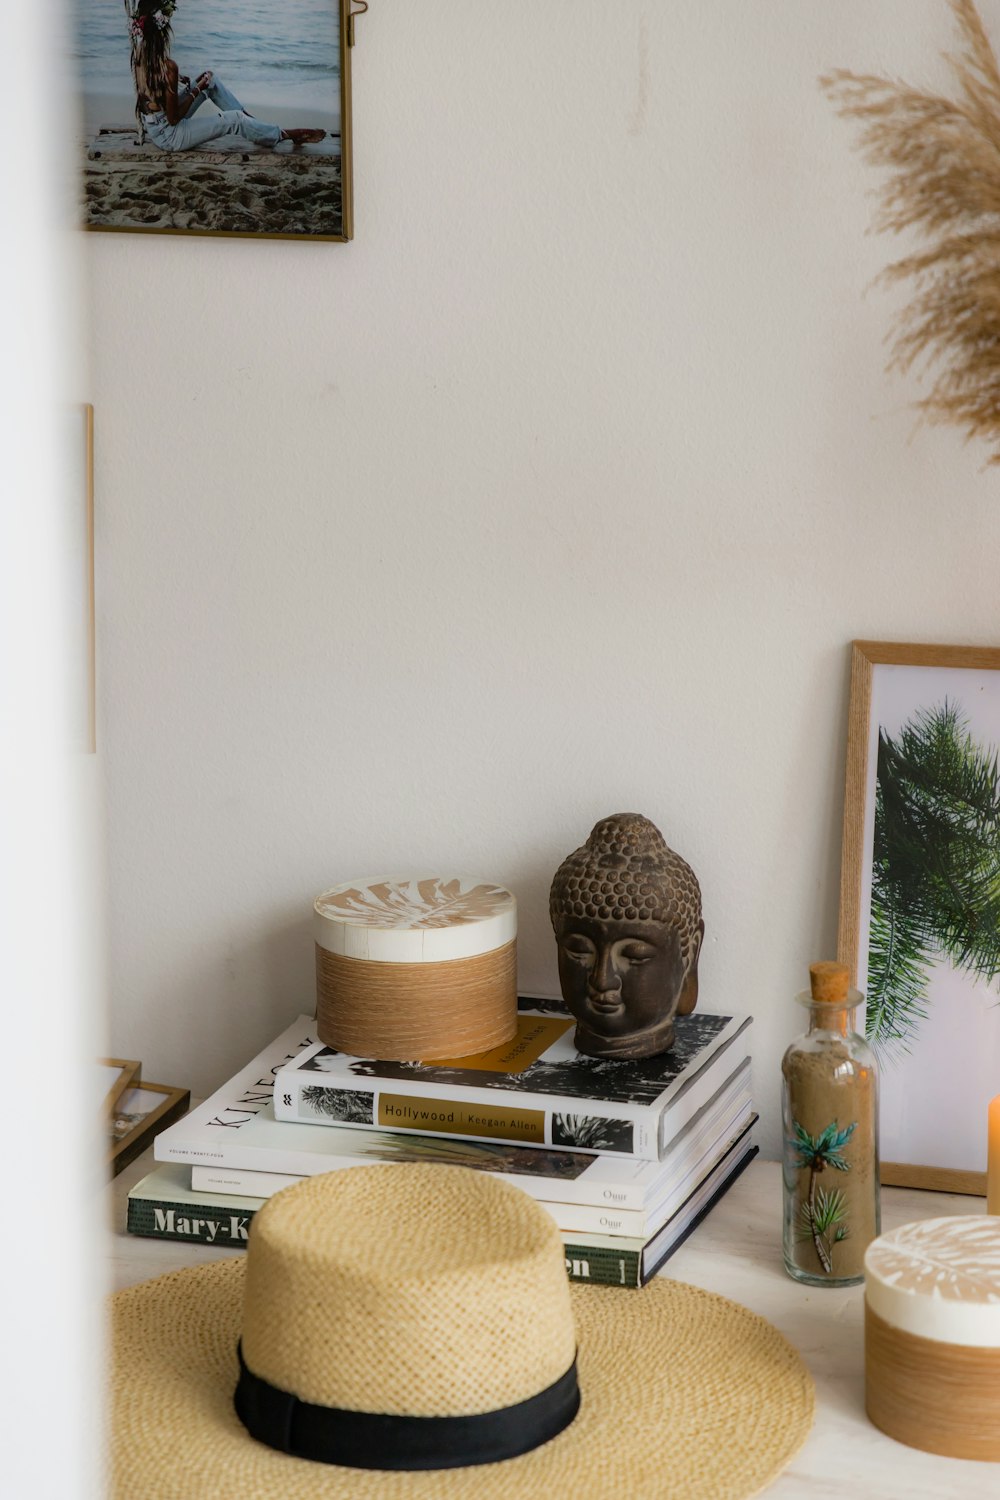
(932, 1335)
(416, 969)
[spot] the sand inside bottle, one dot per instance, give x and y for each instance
(834, 1197)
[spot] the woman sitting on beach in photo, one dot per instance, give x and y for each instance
(166, 100)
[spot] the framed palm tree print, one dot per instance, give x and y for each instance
(920, 899)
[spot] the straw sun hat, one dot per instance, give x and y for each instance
(396, 1321)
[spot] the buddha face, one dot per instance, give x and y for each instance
(623, 981)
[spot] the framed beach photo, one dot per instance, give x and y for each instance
(920, 899)
(139, 1116)
(215, 118)
(114, 1076)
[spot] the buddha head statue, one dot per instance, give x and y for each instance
(626, 911)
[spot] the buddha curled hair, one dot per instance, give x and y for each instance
(626, 872)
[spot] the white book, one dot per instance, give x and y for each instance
(241, 1182)
(642, 1223)
(701, 1144)
(536, 1090)
(700, 1157)
(650, 1255)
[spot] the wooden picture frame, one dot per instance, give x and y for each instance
(118, 1074)
(216, 170)
(142, 1113)
(916, 931)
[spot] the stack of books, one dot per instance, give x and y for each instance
(627, 1156)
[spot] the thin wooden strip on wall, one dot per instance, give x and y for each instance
(413, 1012)
(852, 848)
(941, 1398)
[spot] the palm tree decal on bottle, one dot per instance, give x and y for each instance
(935, 869)
(821, 1216)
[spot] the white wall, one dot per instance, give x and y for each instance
(48, 1118)
(559, 492)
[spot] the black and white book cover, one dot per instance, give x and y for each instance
(236, 1129)
(560, 1069)
(539, 1090)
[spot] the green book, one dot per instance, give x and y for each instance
(164, 1206)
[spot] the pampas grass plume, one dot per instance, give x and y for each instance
(942, 159)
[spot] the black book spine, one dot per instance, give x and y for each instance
(205, 1224)
(197, 1223)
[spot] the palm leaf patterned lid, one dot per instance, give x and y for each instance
(939, 1279)
(415, 919)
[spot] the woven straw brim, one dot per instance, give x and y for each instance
(685, 1395)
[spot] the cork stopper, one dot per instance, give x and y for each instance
(829, 982)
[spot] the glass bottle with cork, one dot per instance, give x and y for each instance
(829, 1108)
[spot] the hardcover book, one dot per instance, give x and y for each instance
(687, 1169)
(164, 1206)
(536, 1090)
(233, 1135)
